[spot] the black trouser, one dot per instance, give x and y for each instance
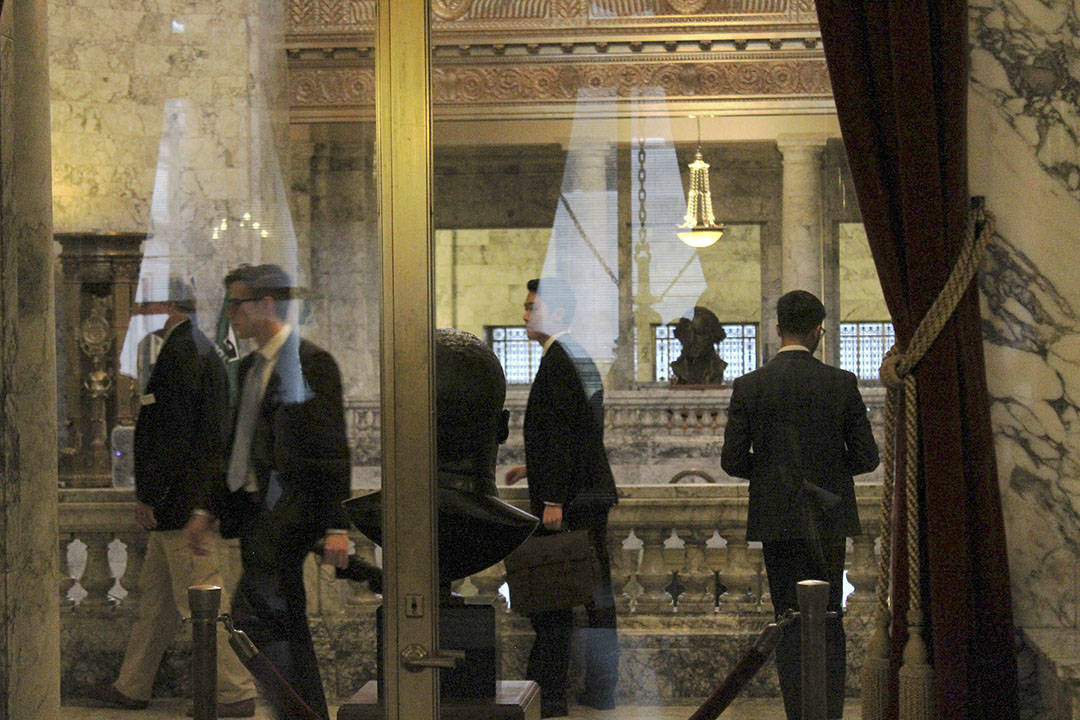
(549, 659)
(271, 607)
(787, 562)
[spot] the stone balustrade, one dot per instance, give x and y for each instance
(691, 593)
(652, 434)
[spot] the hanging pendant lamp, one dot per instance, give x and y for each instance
(702, 228)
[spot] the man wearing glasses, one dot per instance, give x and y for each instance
(288, 473)
(798, 430)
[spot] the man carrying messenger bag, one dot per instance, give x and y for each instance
(570, 488)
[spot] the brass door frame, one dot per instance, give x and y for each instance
(403, 148)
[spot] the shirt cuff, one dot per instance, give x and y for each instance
(336, 531)
(552, 504)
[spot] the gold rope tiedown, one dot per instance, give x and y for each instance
(916, 674)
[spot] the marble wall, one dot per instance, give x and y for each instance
(335, 206)
(1024, 124)
(169, 120)
(861, 299)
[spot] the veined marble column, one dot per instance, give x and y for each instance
(801, 213)
(30, 634)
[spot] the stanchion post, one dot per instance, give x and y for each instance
(204, 601)
(813, 599)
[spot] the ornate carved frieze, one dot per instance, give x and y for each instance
(534, 54)
(562, 82)
(308, 17)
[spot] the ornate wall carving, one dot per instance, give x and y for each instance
(337, 16)
(507, 83)
(536, 54)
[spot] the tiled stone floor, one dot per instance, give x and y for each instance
(744, 709)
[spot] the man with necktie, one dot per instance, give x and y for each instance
(570, 487)
(288, 474)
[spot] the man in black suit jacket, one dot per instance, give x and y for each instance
(570, 486)
(288, 474)
(179, 454)
(798, 430)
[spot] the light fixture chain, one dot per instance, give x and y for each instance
(641, 191)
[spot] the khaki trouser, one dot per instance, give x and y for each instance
(168, 570)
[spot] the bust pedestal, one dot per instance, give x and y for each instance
(514, 700)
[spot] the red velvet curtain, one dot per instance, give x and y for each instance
(899, 75)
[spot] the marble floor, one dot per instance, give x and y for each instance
(743, 709)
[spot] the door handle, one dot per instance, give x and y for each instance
(416, 658)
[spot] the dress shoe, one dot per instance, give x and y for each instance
(597, 702)
(106, 695)
(240, 708)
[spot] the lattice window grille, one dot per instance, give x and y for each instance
(863, 345)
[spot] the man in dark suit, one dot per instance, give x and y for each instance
(179, 454)
(570, 486)
(288, 474)
(798, 430)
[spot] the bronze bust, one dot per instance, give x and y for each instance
(699, 363)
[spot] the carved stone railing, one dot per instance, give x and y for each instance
(685, 577)
(652, 434)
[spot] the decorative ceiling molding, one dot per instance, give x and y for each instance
(494, 85)
(541, 58)
(317, 17)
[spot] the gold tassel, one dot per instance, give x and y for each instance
(916, 674)
(875, 670)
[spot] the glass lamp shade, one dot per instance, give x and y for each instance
(702, 237)
(702, 229)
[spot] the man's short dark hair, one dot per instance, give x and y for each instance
(266, 280)
(182, 294)
(557, 295)
(470, 390)
(798, 313)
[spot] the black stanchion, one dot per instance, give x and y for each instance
(204, 601)
(813, 598)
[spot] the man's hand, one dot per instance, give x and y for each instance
(514, 474)
(144, 515)
(336, 550)
(195, 533)
(553, 517)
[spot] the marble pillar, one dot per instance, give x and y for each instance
(802, 257)
(1024, 158)
(29, 636)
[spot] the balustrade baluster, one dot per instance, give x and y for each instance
(627, 587)
(96, 578)
(653, 573)
(67, 576)
(862, 570)
(715, 552)
(135, 544)
(740, 575)
(696, 575)
(487, 583)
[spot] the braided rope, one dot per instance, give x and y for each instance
(885, 514)
(902, 398)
